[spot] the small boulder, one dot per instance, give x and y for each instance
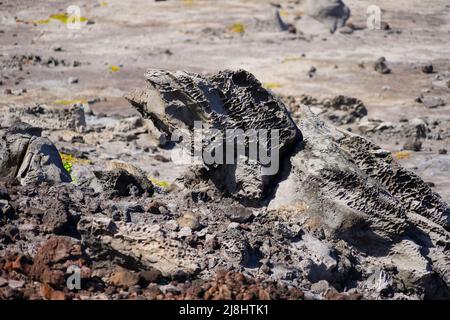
(240, 214)
(333, 13)
(413, 145)
(26, 155)
(381, 66)
(189, 220)
(124, 278)
(428, 68)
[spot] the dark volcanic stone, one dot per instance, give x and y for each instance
(380, 66)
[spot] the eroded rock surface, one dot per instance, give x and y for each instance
(227, 101)
(340, 220)
(336, 184)
(29, 157)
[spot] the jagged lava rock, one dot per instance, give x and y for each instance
(337, 185)
(230, 100)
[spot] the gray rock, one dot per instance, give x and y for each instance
(381, 66)
(185, 232)
(346, 30)
(333, 13)
(79, 119)
(431, 102)
(239, 214)
(72, 80)
(283, 272)
(3, 282)
(336, 185)
(417, 128)
(282, 26)
(413, 145)
(230, 100)
(320, 287)
(233, 225)
(16, 284)
(29, 157)
(120, 182)
(344, 110)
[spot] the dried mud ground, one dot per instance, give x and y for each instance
(45, 65)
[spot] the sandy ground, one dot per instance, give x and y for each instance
(196, 35)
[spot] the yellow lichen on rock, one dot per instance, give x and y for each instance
(237, 27)
(400, 155)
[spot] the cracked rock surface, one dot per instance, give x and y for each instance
(347, 187)
(342, 219)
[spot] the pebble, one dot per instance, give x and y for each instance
(124, 278)
(320, 287)
(189, 220)
(3, 282)
(16, 284)
(431, 102)
(312, 71)
(57, 48)
(233, 225)
(380, 66)
(427, 68)
(150, 276)
(413, 145)
(346, 30)
(185, 232)
(72, 80)
(172, 225)
(239, 214)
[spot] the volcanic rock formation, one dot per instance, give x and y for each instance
(227, 101)
(338, 185)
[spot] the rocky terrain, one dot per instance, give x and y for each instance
(358, 209)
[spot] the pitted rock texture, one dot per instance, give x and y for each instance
(354, 190)
(43, 116)
(230, 100)
(339, 110)
(337, 185)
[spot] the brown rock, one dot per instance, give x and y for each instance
(124, 278)
(189, 220)
(58, 295)
(155, 207)
(56, 218)
(46, 291)
(150, 276)
(413, 145)
(334, 295)
(53, 259)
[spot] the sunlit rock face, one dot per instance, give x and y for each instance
(336, 184)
